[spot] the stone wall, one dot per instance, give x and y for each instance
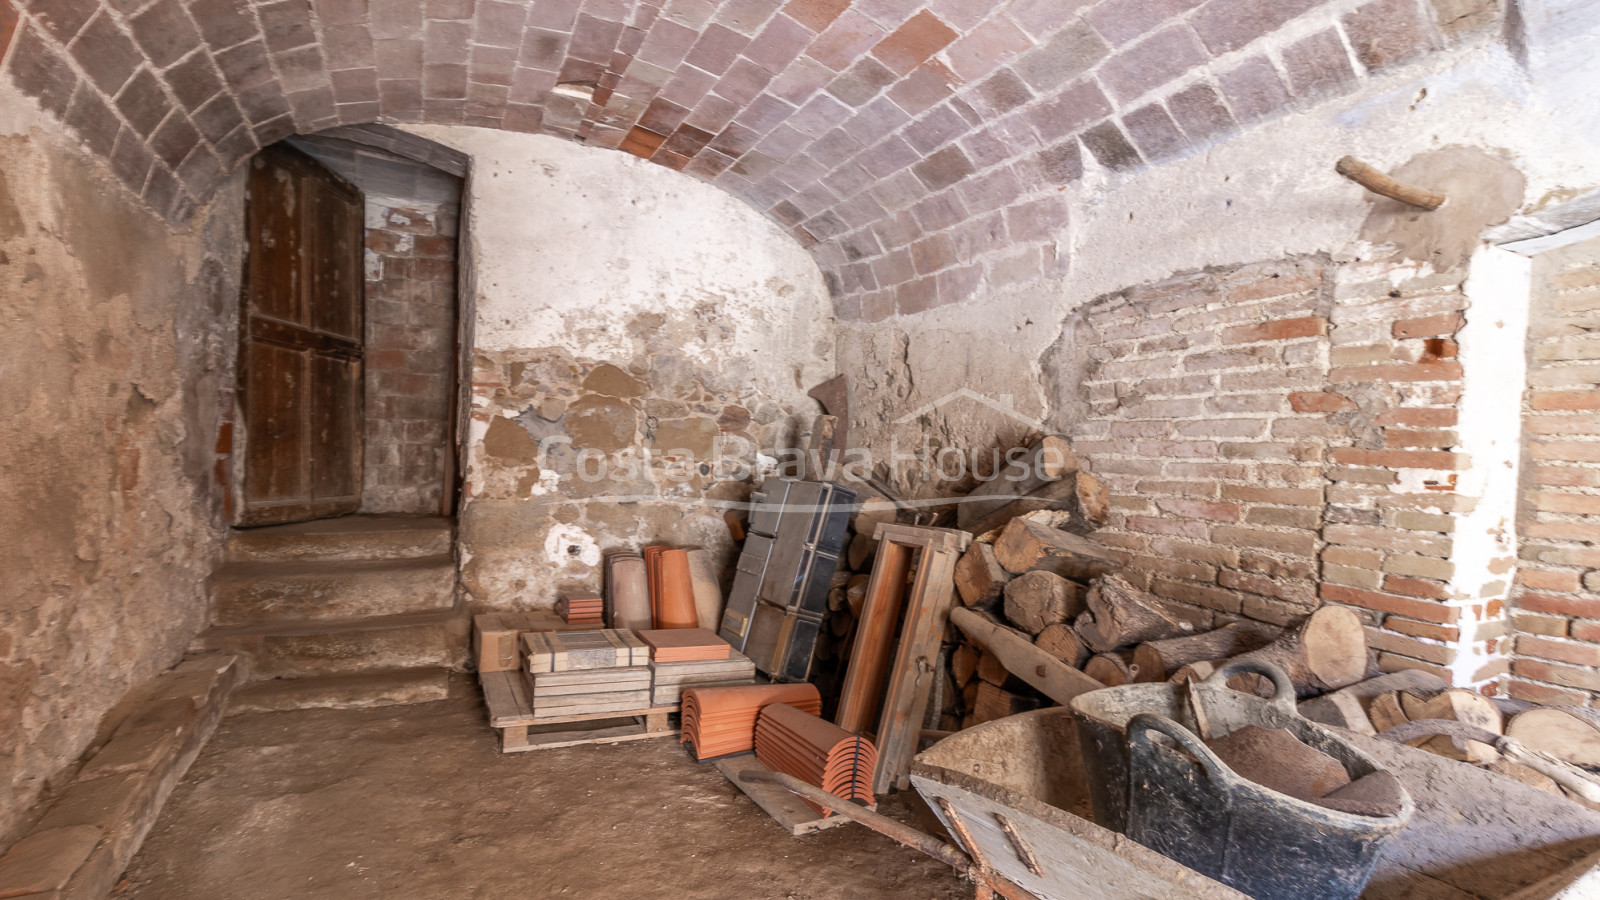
(637, 339)
(114, 353)
(1558, 587)
(411, 345)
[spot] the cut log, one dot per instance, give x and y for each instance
(1025, 545)
(1035, 600)
(1327, 652)
(872, 509)
(1120, 615)
(855, 595)
(1194, 672)
(997, 703)
(1060, 641)
(1350, 707)
(980, 579)
(1049, 459)
(862, 548)
(964, 665)
(1564, 732)
(1465, 707)
(1049, 675)
(1385, 712)
(1111, 669)
(1170, 655)
(969, 694)
(1078, 503)
(992, 670)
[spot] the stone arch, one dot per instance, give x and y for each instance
(924, 152)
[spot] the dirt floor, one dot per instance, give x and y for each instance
(417, 803)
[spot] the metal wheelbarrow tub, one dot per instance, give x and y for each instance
(1154, 780)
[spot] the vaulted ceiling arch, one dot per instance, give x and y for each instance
(919, 147)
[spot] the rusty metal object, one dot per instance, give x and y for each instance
(1379, 183)
(834, 395)
(962, 835)
(1024, 852)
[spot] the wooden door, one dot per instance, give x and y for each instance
(300, 376)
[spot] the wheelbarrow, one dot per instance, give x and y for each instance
(1013, 793)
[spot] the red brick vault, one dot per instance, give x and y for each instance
(917, 147)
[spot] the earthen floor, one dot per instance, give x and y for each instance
(418, 802)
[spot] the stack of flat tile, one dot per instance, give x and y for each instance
(670, 679)
(582, 610)
(583, 672)
(722, 720)
(628, 590)
(671, 588)
(816, 751)
(684, 645)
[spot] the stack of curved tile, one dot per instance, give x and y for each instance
(671, 588)
(628, 590)
(720, 721)
(816, 751)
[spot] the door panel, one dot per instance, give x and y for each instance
(300, 374)
(335, 386)
(275, 381)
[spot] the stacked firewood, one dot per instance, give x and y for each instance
(1062, 592)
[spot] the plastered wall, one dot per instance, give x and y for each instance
(114, 345)
(639, 342)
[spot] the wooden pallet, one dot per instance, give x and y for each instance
(506, 694)
(784, 807)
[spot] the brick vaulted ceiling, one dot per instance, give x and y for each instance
(919, 147)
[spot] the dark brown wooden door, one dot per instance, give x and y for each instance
(300, 380)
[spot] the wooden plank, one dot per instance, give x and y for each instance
(862, 695)
(1054, 678)
(1047, 462)
(512, 706)
(915, 667)
(550, 737)
(545, 708)
(791, 814)
(592, 676)
(922, 536)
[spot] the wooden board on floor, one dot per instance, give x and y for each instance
(506, 694)
(784, 807)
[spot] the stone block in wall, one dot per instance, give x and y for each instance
(82, 843)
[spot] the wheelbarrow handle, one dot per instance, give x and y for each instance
(1140, 726)
(1283, 689)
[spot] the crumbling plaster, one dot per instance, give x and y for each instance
(625, 310)
(1270, 193)
(116, 338)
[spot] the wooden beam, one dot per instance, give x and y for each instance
(1052, 677)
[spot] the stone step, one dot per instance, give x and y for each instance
(305, 649)
(347, 537)
(384, 687)
(266, 592)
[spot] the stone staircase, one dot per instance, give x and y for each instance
(347, 612)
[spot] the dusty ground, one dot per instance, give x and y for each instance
(417, 803)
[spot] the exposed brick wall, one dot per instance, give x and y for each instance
(918, 147)
(411, 329)
(1277, 436)
(1558, 586)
